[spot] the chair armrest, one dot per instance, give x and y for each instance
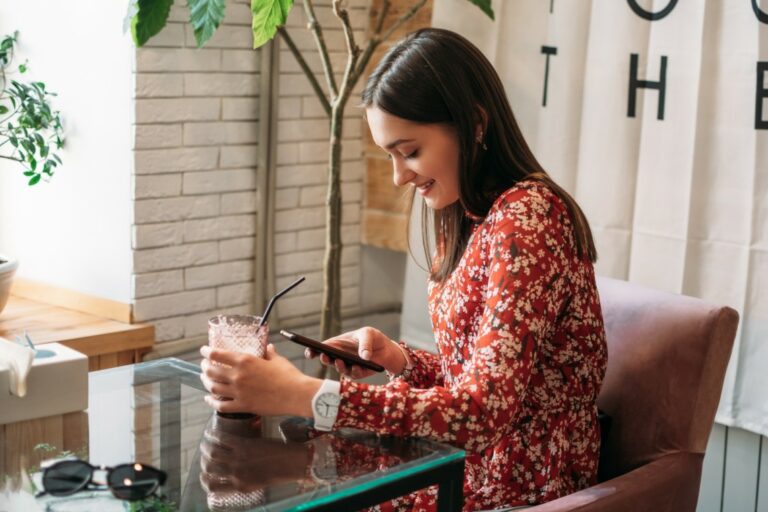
(668, 484)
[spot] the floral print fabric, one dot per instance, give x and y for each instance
(521, 355)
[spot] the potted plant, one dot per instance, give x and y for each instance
(30, 134)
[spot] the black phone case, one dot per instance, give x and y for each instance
(331, 352)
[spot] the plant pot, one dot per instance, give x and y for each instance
(8, 268)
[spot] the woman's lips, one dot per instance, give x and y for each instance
(425, 187)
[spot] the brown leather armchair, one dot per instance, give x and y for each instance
(667, 356)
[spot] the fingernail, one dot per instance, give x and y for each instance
(365, 354)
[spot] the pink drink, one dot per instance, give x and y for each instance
(238, 333)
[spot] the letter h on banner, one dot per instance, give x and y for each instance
(761, 93)
(635, 84)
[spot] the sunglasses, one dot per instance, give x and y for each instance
(130, 482)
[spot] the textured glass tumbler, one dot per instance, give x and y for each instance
(238, 333)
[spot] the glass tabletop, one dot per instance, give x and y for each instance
(154, 413)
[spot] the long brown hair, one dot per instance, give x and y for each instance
(437, 76)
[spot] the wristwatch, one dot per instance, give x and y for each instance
(325, 404)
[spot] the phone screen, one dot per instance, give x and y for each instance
(349, 358)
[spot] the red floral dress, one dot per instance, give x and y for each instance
(521, 357)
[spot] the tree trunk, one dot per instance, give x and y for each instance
(330, 323)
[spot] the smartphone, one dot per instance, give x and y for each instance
(334, 353)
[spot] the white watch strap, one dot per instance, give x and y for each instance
(322, 422)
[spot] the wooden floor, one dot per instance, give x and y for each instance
(107, 343)
(735, 475)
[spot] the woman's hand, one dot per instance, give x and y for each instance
(371, 345)
(268, 386)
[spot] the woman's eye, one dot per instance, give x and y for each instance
(413, 155)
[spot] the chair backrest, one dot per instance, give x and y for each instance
(667, 356)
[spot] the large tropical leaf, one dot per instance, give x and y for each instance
(267, 16)
(205, 17)
(150, 19)
(485, 6)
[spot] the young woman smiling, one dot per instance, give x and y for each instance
(521, 349)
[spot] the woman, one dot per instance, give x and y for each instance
(512, 297)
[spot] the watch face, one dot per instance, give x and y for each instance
(327, 404)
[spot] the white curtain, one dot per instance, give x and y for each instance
(654, 115)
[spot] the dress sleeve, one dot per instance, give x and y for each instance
(425, 370)
(527, 259)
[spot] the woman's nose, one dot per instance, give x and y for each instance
(401, 173)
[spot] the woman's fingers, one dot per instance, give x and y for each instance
(214, 372)
(216, 388)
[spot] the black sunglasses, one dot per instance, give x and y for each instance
(127, 481)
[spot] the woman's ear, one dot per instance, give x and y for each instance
(481, 123)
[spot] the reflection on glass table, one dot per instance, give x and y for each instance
(154, 413)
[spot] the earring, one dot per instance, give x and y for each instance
(480, 140)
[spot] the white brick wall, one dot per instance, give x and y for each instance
(196, 151)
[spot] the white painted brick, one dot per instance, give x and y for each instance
(211, 134)
(179, 12)
(175, 208)
(350, 213)
(315, 195)
(197, 325)
(296, 305)
(311, 108)
(299, 130)
(157, 161)
(239, 202)
(146, 236)
(297, 262)
(177, 59)
(157, 283)
(169, 110)
(169, 329)
(225, 180)
(350, 234)
(318, 151)
(285, 242)
(286, 198)
(218, 274)
(234, 295)
(181, 256)
(174, 304)
(288, 63)
(221, 84)
(150, 136)
(350, 255)
(296, 84)
(247, 61)
(287, 153)
(158, 85)
(226, 36)
(218, 228)
(298, 175)
(311, 239)
(291, 220)
(237, 249)
(352, 170)
(350, 276)
(172, 35)
(240, 109)
(161, 185)
(239, 156)
(237, 14)
(289, 108)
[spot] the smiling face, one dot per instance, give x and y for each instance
(425, 156)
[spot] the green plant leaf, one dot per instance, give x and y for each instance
(3, 109)
(151, 18)
(205, 17)
(485, 6)
(35, 179)
(267, 16)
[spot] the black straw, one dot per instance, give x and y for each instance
(277, 296)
